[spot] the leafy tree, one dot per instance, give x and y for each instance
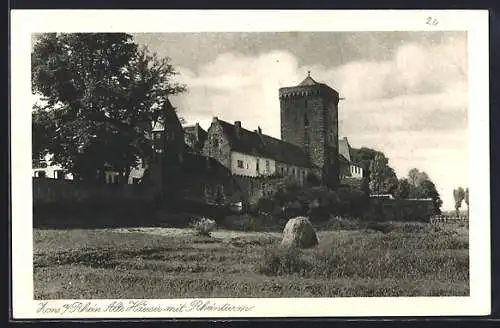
(416, 177)
(421, 186)
(364, 157)
(102, 93)
(403, 190)
(459, 196)
(383, 179)
(427, 189)
(466, 198)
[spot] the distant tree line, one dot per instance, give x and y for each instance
(380, 178)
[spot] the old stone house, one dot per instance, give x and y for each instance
(348, 169)
(253, 154)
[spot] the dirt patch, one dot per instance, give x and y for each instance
(225, 235)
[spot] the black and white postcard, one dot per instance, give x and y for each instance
(249, 163)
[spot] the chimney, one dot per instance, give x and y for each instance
(259, 130)
(215, 119)
(237, 128)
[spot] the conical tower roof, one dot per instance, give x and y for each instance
(308, 81)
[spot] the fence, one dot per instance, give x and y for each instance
(449, 219)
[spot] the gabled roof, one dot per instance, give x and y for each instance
(198, 133)
(345, 148)
(343, 160)
(197, 130)
(170, 115)
(258, 144)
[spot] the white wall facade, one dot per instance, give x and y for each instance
(52, 172)
(251, 166)
(356, 171)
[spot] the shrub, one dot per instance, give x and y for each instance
(320, 202)
(313, 180)
(203, 226)
(339, 223)
(282, 261)
(252, 222)
(384, 227)
(266, 205)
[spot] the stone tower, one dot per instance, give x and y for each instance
(309, 119)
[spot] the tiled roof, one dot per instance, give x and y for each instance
(258, 144)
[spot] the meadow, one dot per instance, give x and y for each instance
(351, 260)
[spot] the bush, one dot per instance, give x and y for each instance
(266, 205)
(384, 227)
(251, 222)
(320, 202)
(339, 223)
(313, 180)
(203, 226)
(282, 261)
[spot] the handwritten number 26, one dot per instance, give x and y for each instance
(432, 21)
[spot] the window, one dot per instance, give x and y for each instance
(257, 166)
(240, 164)
(40, 174)
(268, 168)
(282, 171)
(58, 174)
(306, 121)
(293, 171)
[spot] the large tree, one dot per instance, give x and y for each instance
(427, 189)
(102, 92)
(416, 177)
(403, 190)
(421, 186)
(459, 196)
(383, 179)
(371, 159)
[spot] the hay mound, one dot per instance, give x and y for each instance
(300, 233)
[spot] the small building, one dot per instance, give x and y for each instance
(254, 154)
(348, 169)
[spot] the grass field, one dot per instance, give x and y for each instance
(405, 260)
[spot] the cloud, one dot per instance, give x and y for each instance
(413, 106)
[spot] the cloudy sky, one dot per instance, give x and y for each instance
(405, 92)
